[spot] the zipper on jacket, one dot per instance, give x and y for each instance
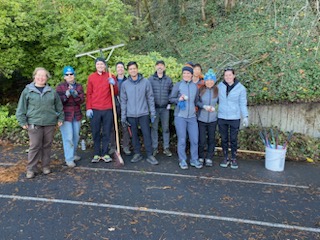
(188, 99)
(209, 104)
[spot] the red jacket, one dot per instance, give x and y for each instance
(99, 92)
(71, 105)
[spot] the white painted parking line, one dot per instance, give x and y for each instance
(7, 164)
(193, 176)
(150, 210)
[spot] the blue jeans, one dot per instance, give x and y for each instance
(184, 125)
(144, 122)
(163, 115)
(70, 139)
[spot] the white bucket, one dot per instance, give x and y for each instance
(275, 158)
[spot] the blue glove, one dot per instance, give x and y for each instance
(152, 119)
(111, 81)
(74, 93)
(182, 105)
(89, 113)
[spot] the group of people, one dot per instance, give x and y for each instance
(199, 106)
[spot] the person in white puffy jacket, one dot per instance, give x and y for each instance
(232, 107)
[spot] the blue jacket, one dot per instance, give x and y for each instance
(189, 89)
(136, 98)
(207, 99)
(161, 89)
(233, 106)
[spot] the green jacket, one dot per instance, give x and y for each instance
(42, 109)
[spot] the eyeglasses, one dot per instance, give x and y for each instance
(229, 69)
(69, 74)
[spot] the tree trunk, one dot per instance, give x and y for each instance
(229, 5)
(203, 10)
(149, 15)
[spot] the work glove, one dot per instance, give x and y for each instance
(125, 123)
(153, 118)
(182, 105)
(89, 113)
(207, 108)
(245, 122)
(68, 93)
(74, 93)
(111, 81)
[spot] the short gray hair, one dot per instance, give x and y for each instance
(41, 68)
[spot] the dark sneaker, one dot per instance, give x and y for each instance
(106, 158)
(167, 152)
(155, 152)
(95, 159)
(225, 163)
(196, 164)
(201, 160)
(126, 151)
(209, 162)
(136, 158)
(234, 164)
(152, 160)
(183, 164)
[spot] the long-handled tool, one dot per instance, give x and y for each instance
(117, 155)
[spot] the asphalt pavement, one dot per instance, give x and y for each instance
(141, 201)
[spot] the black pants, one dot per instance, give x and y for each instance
(207, 132)
(229, 130)
(101, 125)
(144, 122)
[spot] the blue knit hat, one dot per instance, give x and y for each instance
(68, 69)
(189, 69)
(210, 75)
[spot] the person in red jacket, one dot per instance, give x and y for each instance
(99, 109)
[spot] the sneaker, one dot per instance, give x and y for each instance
(225, 163)
(209, 162)
(201, 160)
(106, 158)
(155, 152)
(152, 160)
(71, 164)
(183, 164)
(234, 164)
(136, 158)
(46, 170)
(196, 164)
(126, 151)
(76, 158)
(112, 151)
(95, 159)
(167, 152)
(30, 174)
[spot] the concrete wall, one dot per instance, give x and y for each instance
(299, 117)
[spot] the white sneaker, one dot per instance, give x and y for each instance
(71, 164)
(46, 170)
(76, 158)
(30, 174)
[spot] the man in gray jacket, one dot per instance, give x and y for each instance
(136, 98)
(161, 86)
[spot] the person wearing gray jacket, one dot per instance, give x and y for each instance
(207, 117)
(185, 95)
(232, 106)
(136, 99)
(161, 86)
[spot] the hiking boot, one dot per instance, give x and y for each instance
(112, 151)
(46, 170)
(167, 152)
(155, 152)
(30, 174)
(196, 164)
(76, 158)
(71, 164)
(225, 163)
(201, 160)
(95, 159)
(106, 158)
(136, 158)
(152, 160)
(183, 164)
(209, 162)
(234, 164)
(126, 151)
